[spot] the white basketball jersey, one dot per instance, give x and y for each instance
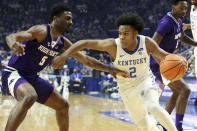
(193, 21)
(135, 63)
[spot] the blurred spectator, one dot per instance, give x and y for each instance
(76, 83)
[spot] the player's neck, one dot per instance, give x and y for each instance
(54, 33)
(175, 16)
(132, 46)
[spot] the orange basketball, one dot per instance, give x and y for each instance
(173, 67)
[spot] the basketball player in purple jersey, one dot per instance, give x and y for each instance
(33, 50)
(168, 33)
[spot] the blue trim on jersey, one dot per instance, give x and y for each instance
(138, 45)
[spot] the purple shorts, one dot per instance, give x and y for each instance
(12, 79)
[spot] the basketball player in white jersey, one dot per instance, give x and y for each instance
(131, 53)
(193, 27)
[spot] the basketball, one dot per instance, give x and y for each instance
(173, 67)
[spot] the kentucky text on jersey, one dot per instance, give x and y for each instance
(132, 62)
(47, 51)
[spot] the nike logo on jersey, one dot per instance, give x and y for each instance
(11, 81)
(140, 51)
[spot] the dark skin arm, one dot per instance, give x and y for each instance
(184, 38)
(89, 61)
(187, 40)
(101, 45)
(13, 40)
(157, 38)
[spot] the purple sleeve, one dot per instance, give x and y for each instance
(164, 27)
(181, 24)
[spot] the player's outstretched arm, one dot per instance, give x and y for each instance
(187, 40)
(101, 45)
(107, 45)
(155, 50)
(34, 33)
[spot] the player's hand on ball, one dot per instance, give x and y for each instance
(18, 49)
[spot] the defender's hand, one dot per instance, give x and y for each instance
(18, 49)
(185, 27)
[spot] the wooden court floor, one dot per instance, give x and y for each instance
(84, 115)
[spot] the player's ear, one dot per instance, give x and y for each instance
(172, 6)
(54, 18)
(136, 32)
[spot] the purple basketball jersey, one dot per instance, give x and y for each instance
(37, 54)
(170, 29)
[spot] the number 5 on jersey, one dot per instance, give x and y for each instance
(44, 58)
(132, 72)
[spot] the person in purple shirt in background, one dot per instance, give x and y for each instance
(168, 33)
(34, 49)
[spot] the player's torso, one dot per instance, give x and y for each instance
(37, 54)
(193, 21)
(135, 63)
(172, 38)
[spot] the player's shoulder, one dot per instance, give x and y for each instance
(38, 31)
(111, 40)
(166, 20)
(149, 41)
(39, 28)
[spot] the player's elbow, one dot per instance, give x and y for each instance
(82, 44)
(8, 37)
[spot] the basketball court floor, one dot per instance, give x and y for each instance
(87, 113)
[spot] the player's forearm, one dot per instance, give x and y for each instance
(93, 63)
(187, 40)
(80, 45)
(11, 40)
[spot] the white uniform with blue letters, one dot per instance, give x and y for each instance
(139, 90)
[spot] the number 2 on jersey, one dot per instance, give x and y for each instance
(132, 72)
(44, 58)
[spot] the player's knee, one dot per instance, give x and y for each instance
(64, 106)
(29, 100)
(185, 92)
(145, 124)
(175, 94)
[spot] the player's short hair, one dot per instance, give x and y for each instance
(57, 10)
(175, 2)
(131, 19)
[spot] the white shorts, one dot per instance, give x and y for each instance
(195, 55)
(136, 100)
(11, 80)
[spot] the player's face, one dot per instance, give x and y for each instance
(126, 35)
(180, 9)
(194, 2)
(64, 22)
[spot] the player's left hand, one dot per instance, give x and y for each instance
(184, 27)
(116, 72)
(58, 62)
